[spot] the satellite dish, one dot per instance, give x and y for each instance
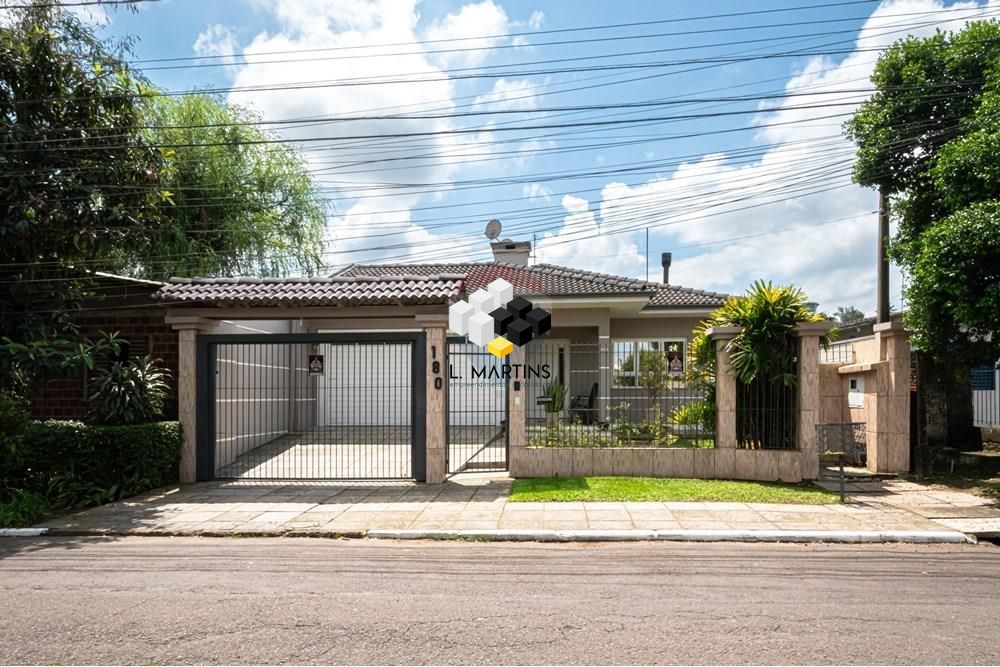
(493, 229)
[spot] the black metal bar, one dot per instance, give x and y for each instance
(418, 407)
(204, 410)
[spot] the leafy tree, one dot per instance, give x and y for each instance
(930, 137)
(849, 315)
(238, 204)
(77, 176)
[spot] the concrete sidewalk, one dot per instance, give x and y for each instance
(477, 506)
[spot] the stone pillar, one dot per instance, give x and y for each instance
(891, 452)
(517, 432)
(188, 329)
(808, 394)
(436, 416)
(725, 387)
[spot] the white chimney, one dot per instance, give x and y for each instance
(511, 252)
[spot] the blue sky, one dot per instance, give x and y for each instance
(761, 191)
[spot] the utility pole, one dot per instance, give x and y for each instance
(883, 260)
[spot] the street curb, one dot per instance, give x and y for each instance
(692, 535)
(543, 535)
(22, 532)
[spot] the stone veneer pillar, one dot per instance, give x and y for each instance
(725, 387)
(517, 433)
(891, 452)
(436, 419)
(188, 329)
(808, 394)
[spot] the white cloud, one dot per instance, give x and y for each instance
(369, 212)
(217, 40)
(709, 203)
(610, 254)
(537, 192)
(537, 17)
(483, 19)
(508, 95)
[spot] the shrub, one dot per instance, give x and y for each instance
(697, 413)
(128, 393)
(556, 392)
(14, 420)
(73, 465)
(24, 508)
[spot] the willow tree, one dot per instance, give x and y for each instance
(238, 202)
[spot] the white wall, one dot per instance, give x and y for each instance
(365, 384)
(252, 390)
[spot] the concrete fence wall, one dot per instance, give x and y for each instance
(742, 464)
(725, 461)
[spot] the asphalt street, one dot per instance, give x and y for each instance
(284, 600)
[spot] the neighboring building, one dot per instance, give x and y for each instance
(123, 305)
(956, 401)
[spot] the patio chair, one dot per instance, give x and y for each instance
(585, 406)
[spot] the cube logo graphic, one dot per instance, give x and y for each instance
(497, 320)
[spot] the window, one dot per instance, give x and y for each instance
(984, 378)
(632, 358)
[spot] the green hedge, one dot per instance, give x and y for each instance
(73, 464)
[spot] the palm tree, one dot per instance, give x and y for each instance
(763, 356)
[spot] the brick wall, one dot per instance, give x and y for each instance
(146, 332)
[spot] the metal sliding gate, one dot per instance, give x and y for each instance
(477, 409)
(311, 406)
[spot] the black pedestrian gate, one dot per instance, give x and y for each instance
(477, 409)
(311, 406)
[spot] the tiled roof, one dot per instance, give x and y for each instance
(672, 296)
(552, 280)
(539, 279)
(399, 289)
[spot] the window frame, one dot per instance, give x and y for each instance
(617, 375)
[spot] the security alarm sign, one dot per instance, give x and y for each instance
(315, 364)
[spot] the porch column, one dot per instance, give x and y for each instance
(604, 361)
(437, 390)
(808, 394)
(187, 329)
(891, 452)
(725, 387)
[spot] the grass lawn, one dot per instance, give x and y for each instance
(638, 489)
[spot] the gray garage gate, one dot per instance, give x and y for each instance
(317, 406)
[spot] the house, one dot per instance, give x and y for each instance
(115, 304)
(603, 326)
(356, 375)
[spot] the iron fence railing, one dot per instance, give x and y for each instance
(766, 414)
(985, 397)
(838, 353)
(575, 398)
(312, 410)
(846, 438)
